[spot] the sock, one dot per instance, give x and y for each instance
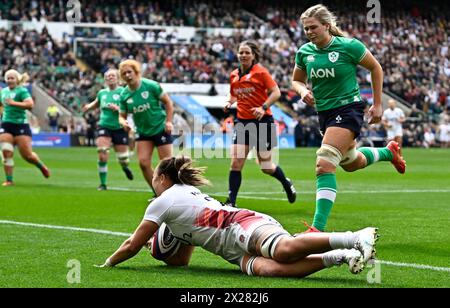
(374, 155)
(332, 258)
(340, 240)
(102, 172)
(234, 183)
(9, 178)
(325, 197)
(279, 175)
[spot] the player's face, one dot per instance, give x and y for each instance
(11, 80)
(315, 31)
(111, 78)
(156, 183)
(245, 56)
(129, 75)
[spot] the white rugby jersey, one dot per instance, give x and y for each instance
(393, 117)
(200, 220)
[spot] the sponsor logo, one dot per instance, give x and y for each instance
(323, 73)
(310, 58)
(141, 108)
(338, 119)
(130, 101)
(333, 56)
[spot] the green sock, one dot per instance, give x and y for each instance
(102, 172)
(325, 197)
(39, 165)
(374, 155)
(9, 178)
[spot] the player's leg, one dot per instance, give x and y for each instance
(268, 167)
(7, 149)
(23, 143)
(121, 147)
(356, 159)
(144, 153)
(335, 142)
(103, 146)
(239, 154)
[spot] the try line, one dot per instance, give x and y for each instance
(112, 233)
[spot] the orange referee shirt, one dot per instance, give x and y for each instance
(251, 90)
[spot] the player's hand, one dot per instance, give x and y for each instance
(258, 112)
(227, 107)
(169, 128)
(308, 98)
(375, 114)
(126, 126)
(113, 107)
(9, 101)
(85, 108)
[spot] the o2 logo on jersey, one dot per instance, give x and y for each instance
(333, 56)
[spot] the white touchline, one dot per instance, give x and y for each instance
(106, 232)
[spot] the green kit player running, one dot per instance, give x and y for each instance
(141, 98)
(15, 130)
(329, 61)
(109, 130)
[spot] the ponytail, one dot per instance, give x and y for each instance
(181, 171)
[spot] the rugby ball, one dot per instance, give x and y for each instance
(163, 244)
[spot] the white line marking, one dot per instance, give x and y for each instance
(251, 193)
(416, 266)
(26, 224)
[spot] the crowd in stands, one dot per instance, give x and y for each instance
(412, 45)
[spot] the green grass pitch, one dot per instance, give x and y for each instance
(412, 212)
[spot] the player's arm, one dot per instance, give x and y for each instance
(94, 104)
(169, 112)
(299, 79)
(376, 72)
(182, 256)
(134, 244)
(27, 104)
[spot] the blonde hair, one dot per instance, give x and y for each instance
(114, 70)
(135, 65)
(181, 171)
(324, 16)
(21, 78)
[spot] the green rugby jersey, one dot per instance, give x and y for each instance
(332, 71)
(13, 114)
(144, 103)
(108, 117)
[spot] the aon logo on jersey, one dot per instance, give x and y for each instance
(141, 108)
(323, 73)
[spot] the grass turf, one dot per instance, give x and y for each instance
(411, 210)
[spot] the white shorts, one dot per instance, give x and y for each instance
(237, 238)
(395, 132)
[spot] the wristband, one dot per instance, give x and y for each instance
(265, 107)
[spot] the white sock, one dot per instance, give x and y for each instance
(332, 258)
(341, 240)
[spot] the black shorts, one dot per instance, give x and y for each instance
(15, 129)
(350, 116)
(261, 135)
(160, 139)
(118, 136)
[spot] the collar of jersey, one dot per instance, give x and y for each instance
(328, 45)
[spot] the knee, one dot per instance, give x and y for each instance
(145, 164)
(328, 158)
(236, 165)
